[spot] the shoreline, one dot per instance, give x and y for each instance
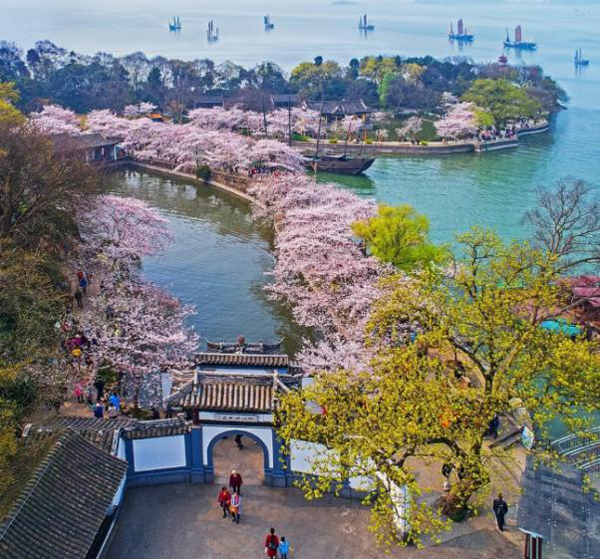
(431, 149)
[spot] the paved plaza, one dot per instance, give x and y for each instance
(183, 521)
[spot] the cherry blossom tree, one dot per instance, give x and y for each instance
(460, 122)
(410, 128)
(53, 119)
(124, 228)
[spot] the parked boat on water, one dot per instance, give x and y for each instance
(579, 60)
(268, 23)
(364, 25)
(462, 35)
(519, 43)
(212, 32)
(338, 164)
(176, 25)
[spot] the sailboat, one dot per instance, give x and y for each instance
(519, 43)
(212, 32)
(579, 60)
(268, 24)
(364, 25)
(176, 25)
(461, 35)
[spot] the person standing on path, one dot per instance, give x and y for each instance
(235, 507)
(79, 298)
(500, 509)
(224, 500)
(99, 410)
(271, 543)
(283, 548)
(83, 283)
(235, 482)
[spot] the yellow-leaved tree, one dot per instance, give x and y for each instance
(478, 351)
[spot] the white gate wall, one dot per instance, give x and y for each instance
(210, 432)
(159, 453)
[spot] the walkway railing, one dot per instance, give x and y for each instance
(581, 450)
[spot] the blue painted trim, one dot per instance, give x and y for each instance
(188, 450)
(129, 457)
(278, 467)
(196, 448)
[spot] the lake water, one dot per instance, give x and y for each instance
(217, 261)
(219, 258)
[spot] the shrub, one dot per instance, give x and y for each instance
(333, 141)
(368, 141)
(203, 172)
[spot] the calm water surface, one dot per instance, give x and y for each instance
(217, 262)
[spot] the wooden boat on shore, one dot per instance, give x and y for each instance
(338, 164)
(252, 348)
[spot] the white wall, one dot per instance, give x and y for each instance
(209, 432)
(159, 453)
(303, 454)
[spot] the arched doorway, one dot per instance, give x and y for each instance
(251, 460)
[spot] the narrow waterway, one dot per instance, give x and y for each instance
(217, 262)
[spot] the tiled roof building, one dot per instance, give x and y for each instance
(60, 507)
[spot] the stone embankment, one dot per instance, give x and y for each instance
(432, 148)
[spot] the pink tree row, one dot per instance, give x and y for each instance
(136, 327)
(321, 271)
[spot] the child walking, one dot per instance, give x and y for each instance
(283, 548)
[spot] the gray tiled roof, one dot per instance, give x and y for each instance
(101, 432)
(156, 428)
(60, 509)
(242, 359)
(66, 142)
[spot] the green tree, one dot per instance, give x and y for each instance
(502, 99)
(9, 114)
(479, 352)
(399, 235)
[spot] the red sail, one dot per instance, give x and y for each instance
(460, 27)
(518, 34)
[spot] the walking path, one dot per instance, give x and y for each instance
(185, 521)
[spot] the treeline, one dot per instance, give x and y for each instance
(51, 74)
(40, 192)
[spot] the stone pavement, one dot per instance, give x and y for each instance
(184, 521)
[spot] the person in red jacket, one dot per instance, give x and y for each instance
(235, 482)
(271, 543)
(224, 500)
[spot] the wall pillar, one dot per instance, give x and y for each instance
(197, 467)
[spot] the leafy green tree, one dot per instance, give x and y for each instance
(399, 235)
(9, 114)
(504, 100)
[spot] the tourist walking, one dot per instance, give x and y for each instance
(224, 500)
(112, 412)
(271, 543)
(238, 441)
(83, 283)
(79, 298)
(99, 410)
(114, 400)
(235, 482)
(283, 548)
(235, 507)
(99, 386)
(447, 472)
(500, 509)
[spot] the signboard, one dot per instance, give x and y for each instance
(235, 417)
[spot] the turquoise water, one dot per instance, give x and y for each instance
(493, 189)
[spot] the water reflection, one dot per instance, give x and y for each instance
(218, 261)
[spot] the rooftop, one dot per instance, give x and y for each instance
(61, 506)
(242, 359)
